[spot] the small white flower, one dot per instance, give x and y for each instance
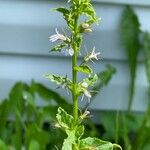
(84, 84)
(92, 55)
(68, 51)
(85, 114)
(57, 37)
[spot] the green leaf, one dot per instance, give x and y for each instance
(91, 80)
(34, 145)
(68, 16)
(84, 69)
(147, 55)
(106, 75)
(4, 113)
(64, 119)
(87, 9)
(62, 10)
(130, 30)
(59, 80)
(58, 47)
(49, 95)
(3, 146)
(79, 131)
(97, 144)
(37, 134)
(69, 141)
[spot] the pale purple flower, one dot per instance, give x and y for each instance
(57, 37)
(92, 55)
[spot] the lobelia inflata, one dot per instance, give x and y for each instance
(72, 125)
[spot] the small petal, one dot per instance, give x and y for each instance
(71, 52)
(84, 84)
(87, 94)
(57, 37)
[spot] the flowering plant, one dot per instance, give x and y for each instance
(72, 125)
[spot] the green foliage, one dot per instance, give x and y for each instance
(103, 79)
(65, 120)
(84, 69)
(130, 30)
(26, 124)
(147, 54)
(58, 48)
(3, 146)
(97, 144)
(59, 80)
(73, 124)
(75, 132)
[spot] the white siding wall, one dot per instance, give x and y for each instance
(24, 30)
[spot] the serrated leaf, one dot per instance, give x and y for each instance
(58, 48)
(68, 16)
(87, 9)
(96, 144)
(64, 119)
(59, 80)
(130, 29)
(91, 80)
(68, 142)
(84, 69)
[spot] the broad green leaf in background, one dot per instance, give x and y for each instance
(130, 30)
(4, 113)
(34, 145)
(37, 134)
(3, 146)
(147, 59)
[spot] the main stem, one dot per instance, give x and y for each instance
(74, 72)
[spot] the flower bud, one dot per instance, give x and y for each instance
(88, 30)
(85, 25)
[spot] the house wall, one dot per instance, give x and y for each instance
(24, 30)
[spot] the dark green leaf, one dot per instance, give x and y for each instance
(130, 30)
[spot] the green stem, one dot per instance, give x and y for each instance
(117, 127)
(131, 93)
(74, 72)
(74, 96)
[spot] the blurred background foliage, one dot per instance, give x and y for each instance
(24, 124)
